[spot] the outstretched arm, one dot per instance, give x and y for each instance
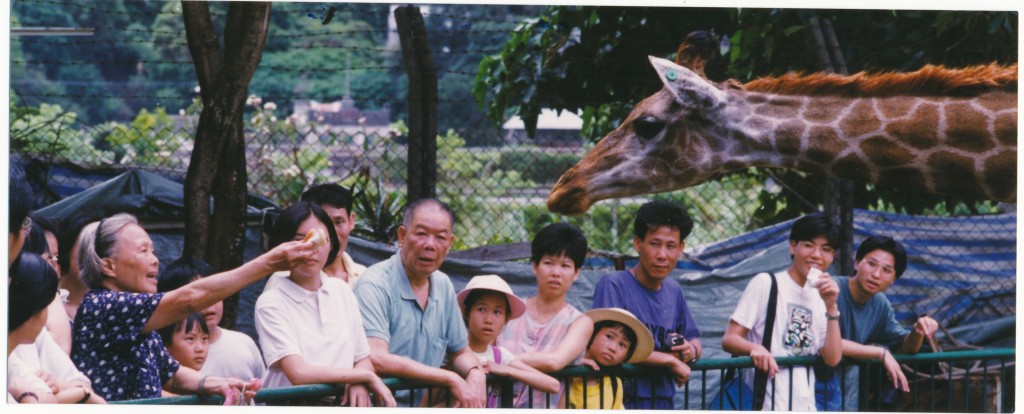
(526, 374)
(568, 349)
(201, 294)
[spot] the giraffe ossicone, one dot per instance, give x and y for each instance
(956, 135)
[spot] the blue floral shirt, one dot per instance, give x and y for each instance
(109, 347)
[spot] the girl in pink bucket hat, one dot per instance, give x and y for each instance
(487, 305)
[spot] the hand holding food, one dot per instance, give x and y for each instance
(317, 236)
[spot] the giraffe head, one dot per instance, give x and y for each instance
(667, 142)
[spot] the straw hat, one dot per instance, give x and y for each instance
(644, 339)
(497, 284)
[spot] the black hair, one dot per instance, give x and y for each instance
(20, 198)
(329, 194)
(186, 325)
(888, 244)
(557, 239)
(181, 272)
(32, 288)
(287, 224)
(47, 224)
(812, 226)
(630, 335)
(662, 213)
(70, 228)
(474, 295)
(410, 210)
(36, 240)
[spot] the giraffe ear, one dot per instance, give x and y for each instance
(691, 90)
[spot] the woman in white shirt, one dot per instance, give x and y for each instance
(309, 324)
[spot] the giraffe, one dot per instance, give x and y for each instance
(936, 130)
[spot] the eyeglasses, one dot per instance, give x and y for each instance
(52, 258)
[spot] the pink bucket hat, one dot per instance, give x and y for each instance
(497, 284)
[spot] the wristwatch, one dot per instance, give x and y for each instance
(832, 317)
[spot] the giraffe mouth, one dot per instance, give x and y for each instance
(571, 201)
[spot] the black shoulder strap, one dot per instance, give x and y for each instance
(761, 377)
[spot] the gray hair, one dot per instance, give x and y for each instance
(104, 234)
(411, 209)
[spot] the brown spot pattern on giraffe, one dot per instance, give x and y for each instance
(1000, 173)
(1006, 129)
(892, 108)
(920, 131)
(996, 101)
(953, 174)
(852, 167)
(886, 153)
(903, 178)
(787, 145)
(861, 120)
(967, 129)
(824, 109)
(822, 144)
(782, 108)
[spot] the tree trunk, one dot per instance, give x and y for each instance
(217, 166)
(419, 67)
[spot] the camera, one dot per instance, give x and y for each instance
(676, 339)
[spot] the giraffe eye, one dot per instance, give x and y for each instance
(647, 127)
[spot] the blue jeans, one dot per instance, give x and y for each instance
(827, 395)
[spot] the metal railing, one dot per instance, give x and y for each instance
(958, 381)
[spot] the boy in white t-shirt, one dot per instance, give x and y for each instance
(806, 317)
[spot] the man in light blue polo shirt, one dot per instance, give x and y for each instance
(410, 313)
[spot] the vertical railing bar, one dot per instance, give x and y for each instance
(773, 393)
(600, 404)
(791, 369)
(585, 379)
(967, 385)
(913, 390)
(882, 380)
(984, 386)
(740, 373)
(934, 364)
(703, 389)
(686, 396)
(547, 396)
(949, 388)
(636, 395)
(842, 386)
(1002, 385)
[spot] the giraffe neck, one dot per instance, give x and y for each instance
(949, 145)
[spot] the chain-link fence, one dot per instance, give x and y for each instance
(498, 194)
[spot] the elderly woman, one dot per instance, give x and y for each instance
(309, 324)
(115, 340)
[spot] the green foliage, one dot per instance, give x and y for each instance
(51, 132)
(286, 167)
(378, 210)
(535, 164)
(150, 139)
